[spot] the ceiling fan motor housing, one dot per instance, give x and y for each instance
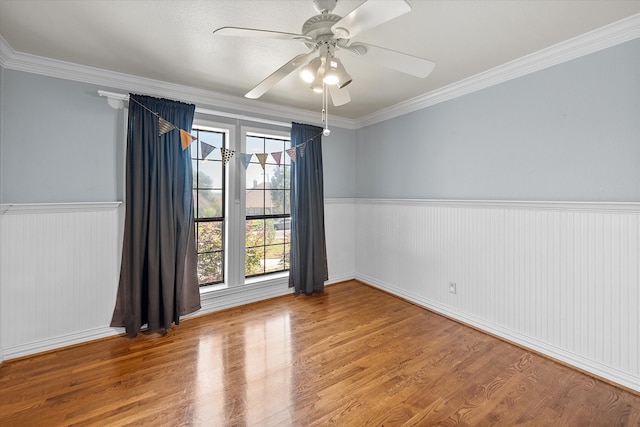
(318, 27)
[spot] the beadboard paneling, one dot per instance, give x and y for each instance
(60, 266)
(340, 234)
(560, 278)
(60, 263)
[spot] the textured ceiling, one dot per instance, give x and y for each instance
(172, 41)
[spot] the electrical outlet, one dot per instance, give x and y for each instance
(452, 287)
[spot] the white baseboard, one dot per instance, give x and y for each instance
(59, 342)
(340, 278)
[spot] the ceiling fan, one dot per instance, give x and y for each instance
(325, 34)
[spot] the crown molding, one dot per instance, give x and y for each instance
(6, 52)
(610, 35)
(13, 60)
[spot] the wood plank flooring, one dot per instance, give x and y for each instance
(349, 357)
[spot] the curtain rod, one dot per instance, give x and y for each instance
(116, 100)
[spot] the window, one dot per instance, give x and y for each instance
(242, 218)
(209, 204)
(267, 225)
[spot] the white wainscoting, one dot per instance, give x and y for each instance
(59, 269)
(559, 278)
(340, 234)
(59, 274)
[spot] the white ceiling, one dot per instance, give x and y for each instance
(172, 41)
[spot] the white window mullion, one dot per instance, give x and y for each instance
(236, 209)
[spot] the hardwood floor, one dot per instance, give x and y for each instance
(349, 357)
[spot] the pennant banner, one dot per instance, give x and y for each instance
(164, 126)
(277, 156)
(262, 158)
(186, 139)
(206, 149)
(301, 148)
(226, 154)
(245, 158)
(292, 153)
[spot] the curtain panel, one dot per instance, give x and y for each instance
(308, 258)
(158, 275)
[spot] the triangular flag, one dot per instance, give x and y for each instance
(292, 153)
(277, 156)
(262, 158)
(245, 158)
(186, 138)
(302, 148)
(206, 149)
(164, 126)
(226, 154)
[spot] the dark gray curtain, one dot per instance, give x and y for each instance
(308, 264)
(158, 275)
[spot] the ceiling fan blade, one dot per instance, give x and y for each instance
(265, 34)
(368, 15)
(279, 74)
(339, 96)
(403, 62)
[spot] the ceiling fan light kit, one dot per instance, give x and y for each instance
(335, 73)
(318, 84)
(327, 33)
(308, 72)
(343, 77)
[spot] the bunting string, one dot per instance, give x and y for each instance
(294, 153)
(186, 139)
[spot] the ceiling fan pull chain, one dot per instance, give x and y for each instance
(324, 107)
(325, 110)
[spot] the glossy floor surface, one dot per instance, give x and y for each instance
(349, 357)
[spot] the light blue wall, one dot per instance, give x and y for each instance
(1, 133)
(570, 132)
(338, 160)
(61, 142)
(58, 141)
(1, 192)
